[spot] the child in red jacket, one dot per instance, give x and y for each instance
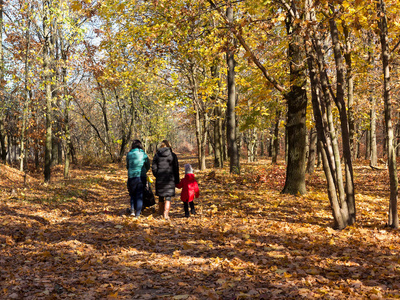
(190, 190)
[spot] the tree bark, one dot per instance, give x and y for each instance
(320, 95)
(340, 103)
(393, 220)
(367, 133)
(26, 92)
(47, 64)
(3, 148)
(312, 152)
(372, 134)
(218, 122)
(350, 89)
(231, 103)
(275, 137)
(297, 109)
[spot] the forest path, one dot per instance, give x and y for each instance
(71, 240)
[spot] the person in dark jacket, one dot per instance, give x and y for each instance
(137, 164)
(165, 169)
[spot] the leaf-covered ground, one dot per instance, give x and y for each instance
(72, 240)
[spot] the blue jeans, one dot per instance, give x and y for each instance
(135, 188)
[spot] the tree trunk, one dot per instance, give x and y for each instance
(251, 142)
(275, 137)
(262, 147)
(26, 93)
(393, 220)
(231, 104)
(323, 120)
(67, 99)
(47, 64)
(201, 117)
(3, 148)
(340, 103)
(218, 138)
(296, 114)
(373, 148)
(218, 122)
(350, 89)
(312, 151)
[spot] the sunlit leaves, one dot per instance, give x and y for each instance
(246, 234)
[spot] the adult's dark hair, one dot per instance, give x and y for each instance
(165, 143)
(137, 144)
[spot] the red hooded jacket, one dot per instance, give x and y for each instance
(190, 188)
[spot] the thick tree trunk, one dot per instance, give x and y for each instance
(393, 220)
(231, 104)
(296, 114)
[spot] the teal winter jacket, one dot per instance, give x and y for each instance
(137, 163)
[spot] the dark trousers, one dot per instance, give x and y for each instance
(135, 188)
(186, 208)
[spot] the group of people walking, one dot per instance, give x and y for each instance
(165, 168)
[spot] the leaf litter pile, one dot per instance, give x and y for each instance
(71, 239)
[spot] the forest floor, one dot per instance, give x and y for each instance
(71, 239)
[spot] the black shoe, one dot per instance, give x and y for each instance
(192, 210)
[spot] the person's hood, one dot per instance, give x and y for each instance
(189, 176)
(165, 151)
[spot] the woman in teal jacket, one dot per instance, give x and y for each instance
(137, 164)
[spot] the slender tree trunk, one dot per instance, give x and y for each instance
(47, 64)
(275, 137)
(3, 148)
(393, 220)
(368, 143)
(350, 89)
(262, 147)
(373, 148)
(218, 138)
(251, 142)
(312, 151)
(323, 120)
(26, 93)
(201, 118)
(218, 121)
(340, 103)
(231, 104)
(67, 99)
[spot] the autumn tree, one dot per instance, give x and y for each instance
(393, 220)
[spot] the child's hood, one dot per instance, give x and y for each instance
(189, 176)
